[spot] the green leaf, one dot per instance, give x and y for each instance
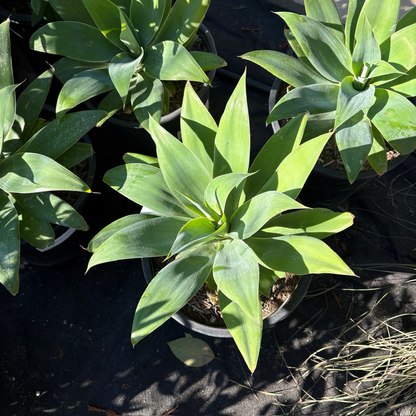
(301, 160)
(400, 49)
(7, 100)
(36, 232)
(218, 190)
(193, 352)
(367, 48)
(268, 279)
(379, 69)
(49, 207)
(147, 98)
(115, 227)
(294, 44)
(6, 70)
(36, 5)
(31, 101)
(149, 238)
(246, 334)
(121, 71)
(75, 155)
(317, 222)
(382, 17)
(232, 143)
(350, 101)
(377, 155)
(298, 254)
(9, 245)
(147, 17)
(169, 61)
(74, 40)
(326, 12)
(291, 70)
(354, 140)
(129, 35)
(395, 117)
(236, 274)
(82, 87)
(354, 10)
(106, 16)
(59, 136)
(314, 99)
(183, 171)
(208, 61)
(319, 124)
(111, 103)
(198, 128)
(273, 152)
(170, 289)
(323, 49)
(138, 158)
(404, 85)
(67, 68)
(145, 185)
(183, 21)
(256, 212)
(72, 10)
(407, 19)
(30, 172)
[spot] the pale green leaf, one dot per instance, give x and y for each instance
(404, 85)
(354, 10)
(208, 61)
(268, 279)
(377, 156)
(138, 158)
(7, 100)
(379, 69)
(76, 154)
(193, 352)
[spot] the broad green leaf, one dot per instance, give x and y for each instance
(193, 352)
(218, 190)
(236, 274)
(147, 17)
(59, 136)
(7, 100)
(407, 19)
(323, 49)
(382, 16)
(129, 35)
(6, 70)
(273, 152)
(291, 70)
(196, 232)
(400, 49)
(404, 85)
(121, 70)
(298, 254)
(169, 61)
(67, 68)
(301, 160)
(232, 143)
(74, 40)
(354, 140)
(183, 21)
(184, 173)
(36, 232)
(72, 10)
(170, 289)
(9, 245)
(350, 101)
(354, 10)
(319, 124)
(51, 208)
(268, 279)
(30, 172)
(149, 238)
(106, 16)
(31, 101)
(75, 155)
(82, 87)
(317, 222)
(138, 158)
(111, 103)
(246, 334)
(313, 99)
(395, 118)
(256, 212)
(294, 44)
(145, 185)
(378, 156)
(115, 227)
(207, 60)
(366, 49)
(198, 128)
(379, 69)
(326, 12)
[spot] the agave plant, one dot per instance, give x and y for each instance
(234, 227)
(131, 50)
(34, 160)
(353, 79)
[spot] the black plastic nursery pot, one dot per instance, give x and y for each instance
(281, 313)
(326, 187)
(136, 138)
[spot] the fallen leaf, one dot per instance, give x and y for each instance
(193, 352)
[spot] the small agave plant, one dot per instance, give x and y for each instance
(353, 79)
(236, 228)
(131, 50)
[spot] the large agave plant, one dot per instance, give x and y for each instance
(353, 78)
(129, 49)
(235, 227)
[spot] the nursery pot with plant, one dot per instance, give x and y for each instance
(231, 227)
(354, 80)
